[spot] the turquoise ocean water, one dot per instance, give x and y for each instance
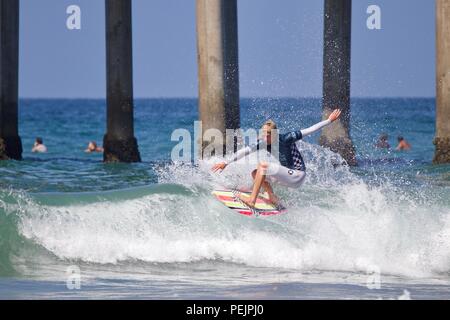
(152, 229)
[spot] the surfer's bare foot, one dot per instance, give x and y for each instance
(246, 200)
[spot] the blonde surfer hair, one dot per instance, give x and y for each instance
(270, 124)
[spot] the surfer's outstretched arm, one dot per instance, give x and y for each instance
(242, 153)
(235, 157)
(315, 128)
(333, 117)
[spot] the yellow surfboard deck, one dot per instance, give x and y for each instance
(263, 206)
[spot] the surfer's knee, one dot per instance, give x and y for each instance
(263, 165)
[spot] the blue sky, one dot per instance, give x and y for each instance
(280, 49)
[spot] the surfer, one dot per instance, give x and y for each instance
(291, 171)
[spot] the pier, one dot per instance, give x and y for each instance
(119, 142)
(10, 142)
(218, 77)
(336, 77)
(218, 67)
(442, 139)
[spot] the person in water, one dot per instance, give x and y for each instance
(382, 142)
(93, 147)
(39, 146)
(402, 144)
(291, 171)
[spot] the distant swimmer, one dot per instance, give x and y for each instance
(93, 147)
(290, 172)
(403, 145)
(382, 142)
(39, 146)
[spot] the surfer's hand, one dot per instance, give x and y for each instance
(335, 115)
(219, 166)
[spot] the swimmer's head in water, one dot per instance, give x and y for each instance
(92, 146)
(269, 129)
(400, 138)
(39, 140)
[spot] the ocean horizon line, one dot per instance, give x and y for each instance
(241, 98)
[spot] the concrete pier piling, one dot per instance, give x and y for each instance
(442, 139)
(336, 77)
(119, 142)
(10, 142)
(218, 67)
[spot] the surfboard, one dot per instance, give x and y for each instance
(263, 206)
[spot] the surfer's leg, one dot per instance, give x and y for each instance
(260, 177)
(272, 197)
(284, 176)
(267, 187)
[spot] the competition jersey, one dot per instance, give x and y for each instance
(289, 155)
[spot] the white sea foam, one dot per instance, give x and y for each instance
(336, 221)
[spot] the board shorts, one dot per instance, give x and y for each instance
(284, 176)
